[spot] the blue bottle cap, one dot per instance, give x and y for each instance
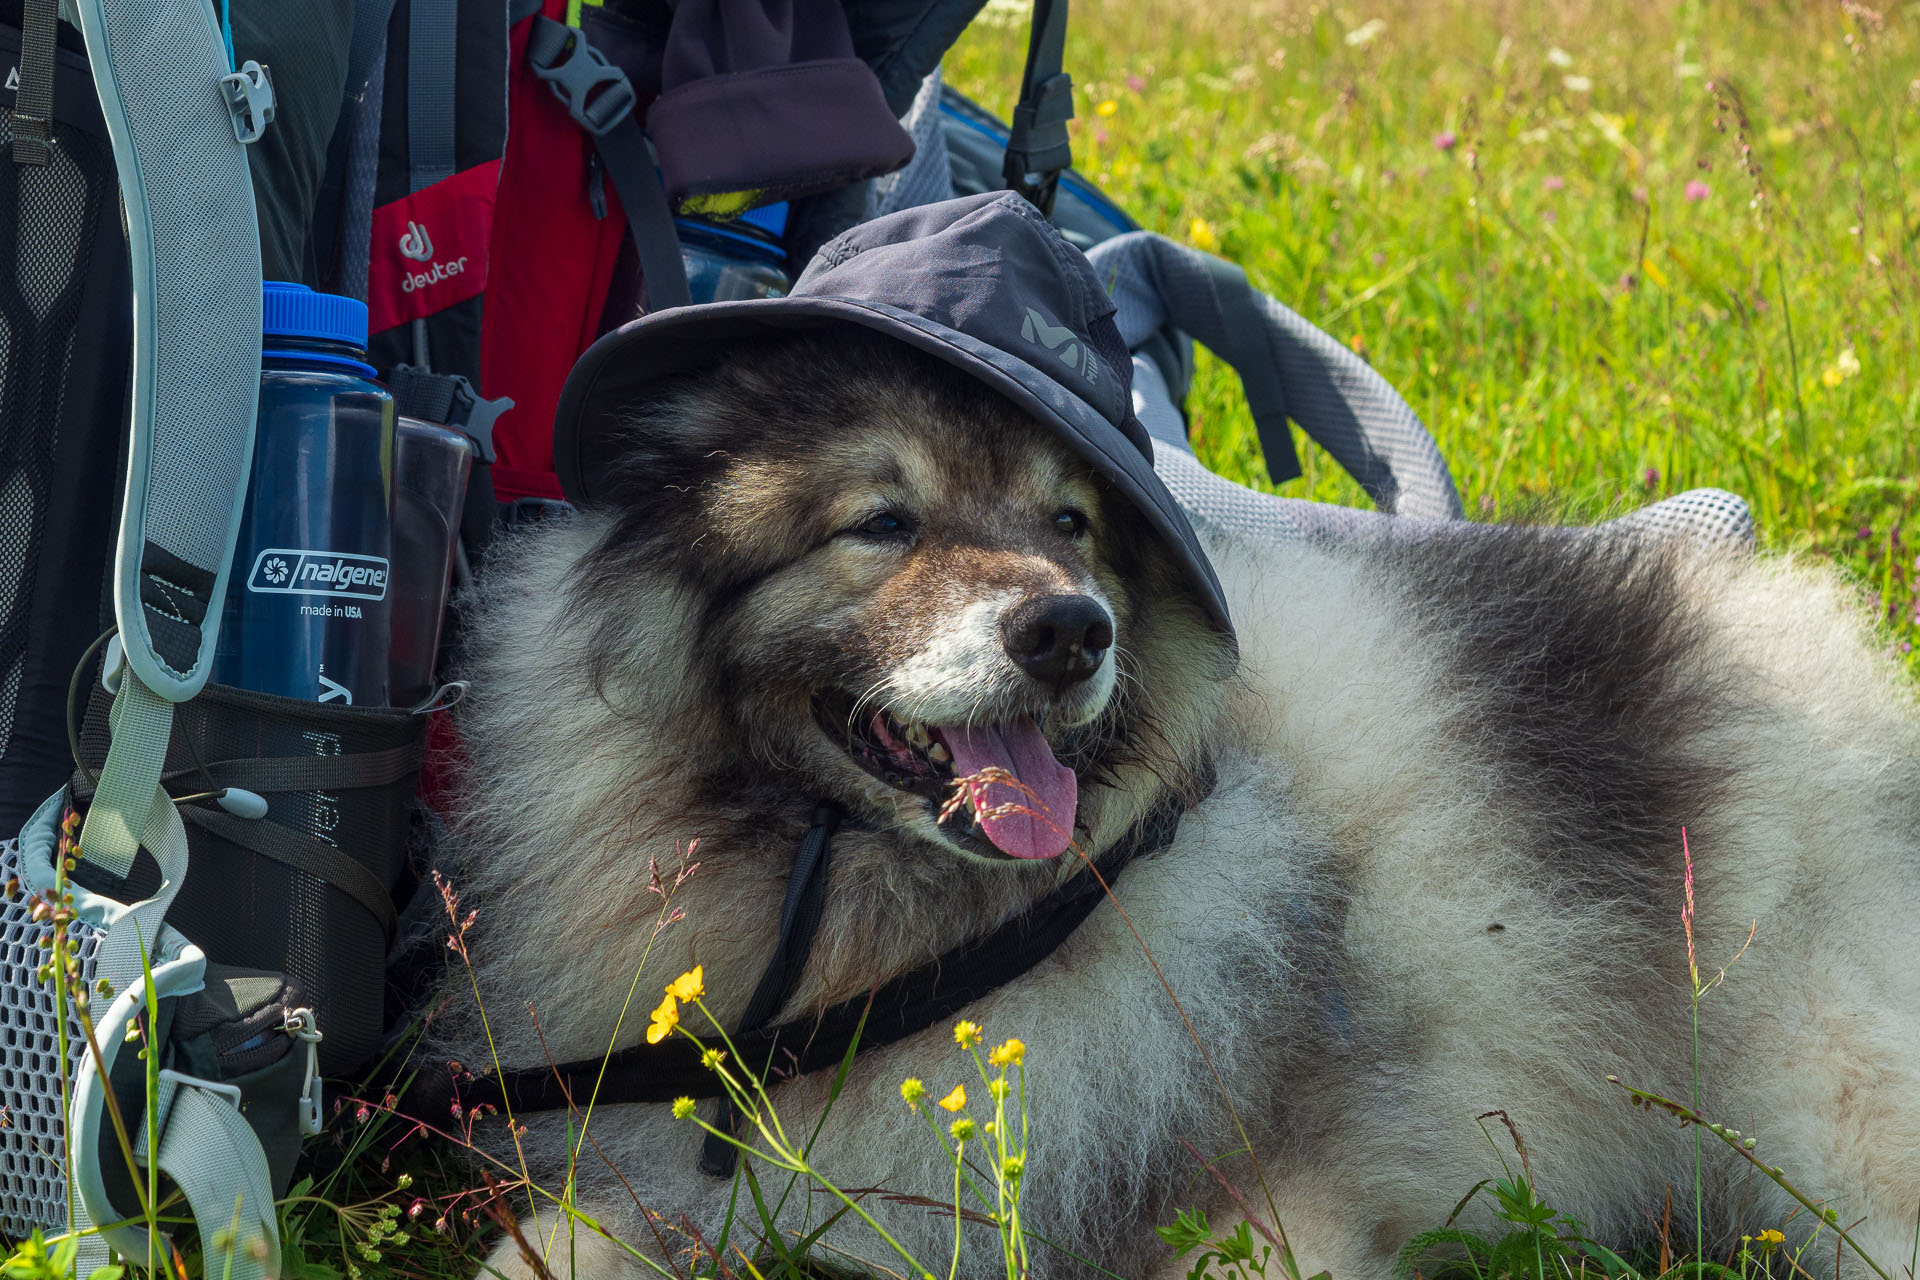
(290, 310)
(768, 217)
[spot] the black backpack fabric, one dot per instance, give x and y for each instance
(65, 342)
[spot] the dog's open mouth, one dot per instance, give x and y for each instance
(1016, 793)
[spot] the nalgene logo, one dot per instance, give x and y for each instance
(319, 573)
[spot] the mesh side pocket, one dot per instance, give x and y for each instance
(306, 890)
(33, 1188)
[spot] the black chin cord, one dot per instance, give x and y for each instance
(799, 921)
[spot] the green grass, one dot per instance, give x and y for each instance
(1577, 332)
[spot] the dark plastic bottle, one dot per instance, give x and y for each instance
(309, 600)
(431, 466)
(730, 261)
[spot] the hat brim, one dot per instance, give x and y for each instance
(617, 367)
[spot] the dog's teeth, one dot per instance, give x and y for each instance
(939, 754)
(918, 736)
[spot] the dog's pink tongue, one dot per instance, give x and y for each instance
(1039, 825)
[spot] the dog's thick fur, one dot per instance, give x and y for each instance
(1439, 870)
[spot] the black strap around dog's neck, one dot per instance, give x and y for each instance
(891, 1012)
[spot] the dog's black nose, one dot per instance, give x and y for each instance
(1059, 640)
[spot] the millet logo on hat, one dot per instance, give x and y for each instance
(1060, 340)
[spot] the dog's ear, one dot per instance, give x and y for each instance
(671, 445)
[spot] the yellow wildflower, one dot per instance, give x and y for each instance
(1106, 108)
(712, 1058)
(1007, 1054)
(955, 1100)
(912, 1090)
(1013, 1166)
(966, 1034)
(1770, 1236)
(962, 1129)
(1200, 231)
(998, 1088)
(665, 1019)
(682, 1108)
(688, 986)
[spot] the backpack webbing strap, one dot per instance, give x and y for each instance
(600, 99)
(1038, 148)
(165, 839)
(32, 122)
(304, 854)
(211, 1153)
(142, 724)
(295, 773)
(1245, 327)
(431, 28)
(799, 921)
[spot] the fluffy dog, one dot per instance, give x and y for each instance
(1430, 863)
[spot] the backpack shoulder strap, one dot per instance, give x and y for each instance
(1038, 150)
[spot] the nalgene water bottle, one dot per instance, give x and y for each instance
(308, 603)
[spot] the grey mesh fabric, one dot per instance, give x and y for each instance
(928, 177)
(194, 244)
(1217, 507)
(33, 1192)
(1336, 397)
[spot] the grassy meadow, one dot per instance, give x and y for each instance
(1608, 251)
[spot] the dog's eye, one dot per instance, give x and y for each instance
(888, 526)
(1070, 522)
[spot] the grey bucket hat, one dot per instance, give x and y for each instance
(983, 282)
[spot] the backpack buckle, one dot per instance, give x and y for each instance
(450, 400)
(249, 96)
(597, 94)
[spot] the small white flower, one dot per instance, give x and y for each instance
(1577, 84)
(1365, 32)
(1559, 57)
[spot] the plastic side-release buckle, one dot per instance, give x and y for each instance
(597, 94)
(451, 400)
(250, 100)
(304, 1027)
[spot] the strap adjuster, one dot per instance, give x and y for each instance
(250, 100)
(451, 400)
(597, 94)
(1038, 148)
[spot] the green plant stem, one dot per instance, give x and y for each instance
(1793, 366)
(506, 1105)
(1699, 1216)
(1691, 1116)
(792, 1162)
(953, 1270)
